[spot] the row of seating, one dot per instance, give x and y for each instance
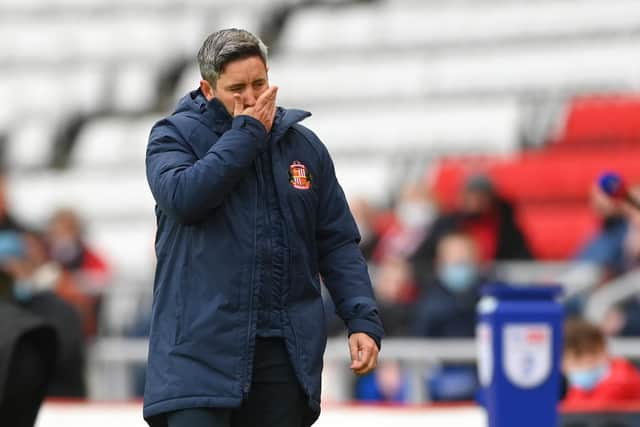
(538, 176)
(40, 6)
(392, 24)
(107, 195)
(392, 77)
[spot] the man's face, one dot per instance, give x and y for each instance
(246, 76)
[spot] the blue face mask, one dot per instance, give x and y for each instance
(588, 379)
(458, 277)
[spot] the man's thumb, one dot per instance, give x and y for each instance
(238, 106)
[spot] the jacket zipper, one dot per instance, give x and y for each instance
(249, 365)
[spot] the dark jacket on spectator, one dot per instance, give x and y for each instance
(441, 313)
(204, 170)
(19, 324)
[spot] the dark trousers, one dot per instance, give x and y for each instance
(275, 399)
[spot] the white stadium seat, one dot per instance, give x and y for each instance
(113, 143)
(30, 143)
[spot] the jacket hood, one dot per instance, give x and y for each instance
(213, 114)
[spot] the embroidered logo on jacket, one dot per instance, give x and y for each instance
(299, 177)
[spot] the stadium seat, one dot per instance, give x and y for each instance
(30, 143)
(113, 143)
(604, 121)
(556, 231)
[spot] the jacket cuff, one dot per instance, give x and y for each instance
(254, 127)
(366, 326)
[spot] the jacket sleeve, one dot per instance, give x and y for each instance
(342, 266)
(187, 187)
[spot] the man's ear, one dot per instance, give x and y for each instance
(207, 90)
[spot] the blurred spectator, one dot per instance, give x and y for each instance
(28, 347)
(447, 307)
(34, 281)
(396, 293)
(595, 378)
(87, 273)
(486, 217)
(365, 217)
(68, 247)
(7, 221)
(606, 248)
(623, 319)
(388, 383)
(415, 211)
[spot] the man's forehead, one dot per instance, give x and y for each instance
(251, 67)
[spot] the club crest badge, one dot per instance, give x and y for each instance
(527, 353)
(299, 176)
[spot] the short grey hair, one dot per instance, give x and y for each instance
(225, 46)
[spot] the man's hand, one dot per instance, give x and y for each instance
(263, 110)
(364, 353)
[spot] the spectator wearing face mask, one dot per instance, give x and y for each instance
(596, 380)
(448, 305)
(414, 212)
(86, 271)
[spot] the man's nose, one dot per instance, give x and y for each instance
(249, 98)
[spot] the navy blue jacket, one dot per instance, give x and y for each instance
(203, 175)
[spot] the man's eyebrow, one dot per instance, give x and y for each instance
(236, 85)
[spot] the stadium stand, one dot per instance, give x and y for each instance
(441, 86)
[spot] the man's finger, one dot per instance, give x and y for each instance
(366, 360)
(238, 106)
(269, 96)
(353, 349)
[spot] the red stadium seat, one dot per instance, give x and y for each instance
(601, 120)
(556, 231)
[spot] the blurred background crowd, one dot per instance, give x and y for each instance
(468, 136)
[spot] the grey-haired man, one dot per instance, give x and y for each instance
(250, 215)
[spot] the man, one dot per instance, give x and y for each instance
(447, 307)
(596, 380)
(249, 216)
